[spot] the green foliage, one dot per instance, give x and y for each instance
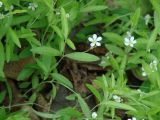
(48, 31)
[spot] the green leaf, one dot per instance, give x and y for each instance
(2, 96)
(71, 44)
(64, 23)
(62, 79)
(57, 30)
(45, 115)
(42, 66)
(113, 62)
(120, 106)
(95, 92)
(81, 56)
(33, 97)
(93, 8)
(152, 38)
(2, 60)
(44, 50)
(114, 38)
(25, 73)
(13, 36)
(35, 82)
(3, 113)
(156, 5)
(135, 18)
(115, 50)
(84, 107)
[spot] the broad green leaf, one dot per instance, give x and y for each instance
(13, 36)
(136, 56)
(42, 66)
(18, 11)
(156, 6)
(25, 73)
(156, 20)
(81, 56)
(58, 31)
(64, 22)
(20, 19)
(71, 97)
(113, 62)
(115, 50)
(2, 96)
(2, 60)
(33, 97)
(93, 8)
(114, 38)
(3, 113)
(9, 91)
(9, 49)
(62, 79)
(120, 106)
(24, 84)
(135, 18)
(95, 92)
(44, 50)
(46, 115)
(85, 109)
(17, 116)
(70, 44)
(35, 82)
(152, 38)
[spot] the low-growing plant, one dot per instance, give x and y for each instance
(36, 36)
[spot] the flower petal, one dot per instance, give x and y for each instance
(92, 44)
(98, 44)
(126, 41)
(99, 38)
(134, 42)
(131, 44)
(90, 39)
(94, 36)
(132, 38)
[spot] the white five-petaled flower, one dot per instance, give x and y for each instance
(129, 40)
(33, 6)
(153, 65)
(1, 16)
(1, 4)
(133, 118)
(147, 18)
(143, 72)
(94, 115)
(95, 40)
(141, 93)
(117, 98)
(67, 15)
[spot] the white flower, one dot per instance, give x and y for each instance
(143, 72)
(117, 98)
(129, 40)
(33, 6)
(1, 4)
(133, 118)
(1, 16)
(147, 18)
(95, 40)
(94, 115)
(11, 7)
(67, 15)
(103, 62)
(141, 93)
(153, 65)
(58, 13)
